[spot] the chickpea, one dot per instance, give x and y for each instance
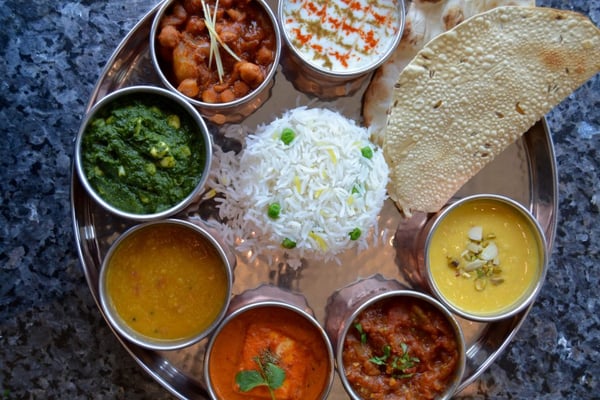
(228, 36)
(240, 88)
(264, 56)
(176, 17)
(251, 73)
(210, 96)
(236, 14)
(184, 65)
(227, 95)
(249, 45)
(195, 25)
(189, 87)
(193, 6)
(169, 36)
(219, 87)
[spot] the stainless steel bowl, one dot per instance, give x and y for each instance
(539, 242)
(274, 299)
(144, 93)
(347, 304)
(305, 27)
(121, 326)
(220, 113)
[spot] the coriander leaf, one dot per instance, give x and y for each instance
(377, 360)
(381, 360)
(248, 380)
(363, 335)
(275, 375)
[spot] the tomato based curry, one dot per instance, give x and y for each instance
(294, 344)
(400, 348)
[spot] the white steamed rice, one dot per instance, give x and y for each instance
(325, 186)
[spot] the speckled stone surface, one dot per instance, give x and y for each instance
(54, 342)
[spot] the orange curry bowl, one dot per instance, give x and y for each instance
(221, 56)
(269, 348)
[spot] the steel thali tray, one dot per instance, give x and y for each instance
(526, 171)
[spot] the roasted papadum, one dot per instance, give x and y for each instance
(472, 91)
(425, 19)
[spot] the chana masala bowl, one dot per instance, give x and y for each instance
(221, 55)
(401, 344)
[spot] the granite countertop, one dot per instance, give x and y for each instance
(53, 340)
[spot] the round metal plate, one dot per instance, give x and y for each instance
(526, 171)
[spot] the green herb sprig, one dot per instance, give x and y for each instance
(396, 365)
(269, 374)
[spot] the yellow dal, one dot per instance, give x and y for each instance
(167, 282)
(518, 250)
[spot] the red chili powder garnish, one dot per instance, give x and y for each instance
(304, 39)
(350, 18)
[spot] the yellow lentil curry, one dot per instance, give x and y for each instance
(167, 282)
(507, 278)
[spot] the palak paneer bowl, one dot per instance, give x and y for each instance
(400, 343)
(143, 153)
(221, 56)
(485, 257)
(165, 285)
(269, 346)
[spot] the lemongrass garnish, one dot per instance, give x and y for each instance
(211, 28)
(215, 40)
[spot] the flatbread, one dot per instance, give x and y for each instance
(425, 19)
(472, 91)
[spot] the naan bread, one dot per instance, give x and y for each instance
(424, 21)
(474, 90)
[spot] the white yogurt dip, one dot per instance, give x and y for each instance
(342, 36)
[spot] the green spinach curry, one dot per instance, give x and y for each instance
(142, 156)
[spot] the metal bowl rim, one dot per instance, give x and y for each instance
(533, 290)
(269, 304)
(122, 328)
(218, 107)
(169, 97)
(396, 294)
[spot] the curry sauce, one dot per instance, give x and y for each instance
(296, 346)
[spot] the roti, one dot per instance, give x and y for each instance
(475, 89)
(425, 19)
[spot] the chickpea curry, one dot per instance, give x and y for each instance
(216, 53)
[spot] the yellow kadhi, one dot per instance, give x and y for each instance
(519, 252)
